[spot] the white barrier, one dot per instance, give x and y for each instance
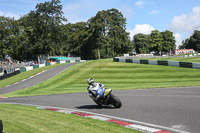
(153, 62)
(29, 68)
(136, 61)
(41, 65)
(196, 65)
(174, 63)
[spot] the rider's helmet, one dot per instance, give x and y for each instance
(90, 81)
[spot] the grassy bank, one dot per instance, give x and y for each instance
(24, 75)
(25, 119)
(115, 75)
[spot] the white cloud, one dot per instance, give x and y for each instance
(178, 38)
(143, 28)
(127, 12)
(9, 14)
(186, 23)
(153, 12)
(139, 3)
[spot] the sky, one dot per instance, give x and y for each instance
(181, 17)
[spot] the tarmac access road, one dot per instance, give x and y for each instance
(36, 79)
(177, 108)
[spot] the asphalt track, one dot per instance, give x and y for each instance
(177, 108)
(36, 79)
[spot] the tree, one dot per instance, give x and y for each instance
(156, 41)
(119, 38)
(78, 43)
(194, 41)
(5, 33)
(109, 32)
(184, 43)
(46, 33)
(168, 41)
(141, 43)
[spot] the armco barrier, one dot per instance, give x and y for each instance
(174, 63)
(136, 61)
(9, 75)
(186, 64)
(129, 60)
(196, 65)
(35, 66)
(22, 69)
(153, 62)
(159, 62)
(144, 62)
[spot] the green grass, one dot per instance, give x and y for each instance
(183, 59)
(24, 75)
(26, 119)
(115, 75)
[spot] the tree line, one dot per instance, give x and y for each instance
(45, 31)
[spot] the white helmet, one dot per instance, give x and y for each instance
(90, 81)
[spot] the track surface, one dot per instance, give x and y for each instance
(36, 80)
(177, 108)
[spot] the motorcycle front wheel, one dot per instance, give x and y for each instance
(116, 102)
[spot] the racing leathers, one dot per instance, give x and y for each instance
(93, 91)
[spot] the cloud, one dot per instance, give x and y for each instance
(127, 12)
(153, 12)
(178, 38)
(9, 14)
(143, 28)
(139, 3)
(186, 23)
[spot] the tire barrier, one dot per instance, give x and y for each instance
(159, 62)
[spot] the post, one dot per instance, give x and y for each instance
(1, 127)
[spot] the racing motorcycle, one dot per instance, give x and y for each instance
(107, 98)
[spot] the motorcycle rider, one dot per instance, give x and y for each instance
(93, 89)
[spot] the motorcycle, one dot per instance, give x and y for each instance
(107, 98)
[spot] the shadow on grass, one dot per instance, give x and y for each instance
(94, 107)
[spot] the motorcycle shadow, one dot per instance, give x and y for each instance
(95, 107)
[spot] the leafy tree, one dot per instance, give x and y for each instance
(141, 43)
(184, 43)
(109, 32)
(156, 41)
(168, 41)
(44, 29)
(78, 43)
(119, 38)
(194, 41)
(5, 34)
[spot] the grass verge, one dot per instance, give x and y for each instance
(115, 75)
(26, 119)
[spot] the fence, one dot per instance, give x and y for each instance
(159, 62)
